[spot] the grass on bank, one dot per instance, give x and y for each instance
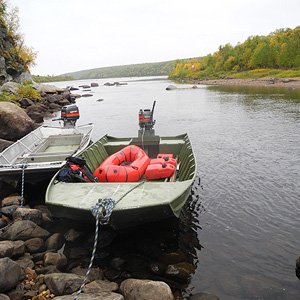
(23, 91)
(243, 74)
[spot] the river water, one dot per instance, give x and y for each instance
(245, 205)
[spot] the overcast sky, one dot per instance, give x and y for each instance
(73, 35)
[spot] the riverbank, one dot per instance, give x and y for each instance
(288, 82)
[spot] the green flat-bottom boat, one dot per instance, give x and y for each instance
(150, 201)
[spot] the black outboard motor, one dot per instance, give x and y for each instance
(69, 114)
(146, 118)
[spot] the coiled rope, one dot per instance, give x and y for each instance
(102, 212)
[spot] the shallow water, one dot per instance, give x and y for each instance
(245, 205)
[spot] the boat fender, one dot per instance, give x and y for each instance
(158, 171)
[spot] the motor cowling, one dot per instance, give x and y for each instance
(70, 114)
(146, 118)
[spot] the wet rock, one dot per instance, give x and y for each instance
(14, 122)
(55, 241)
(47, 270)
(145, 289)
(172, 257)
(98, 296)
(171, 87)
(24, 230)
(157, 268)
(95, 273)
(30, 214)
(24, 102)
(112, 274)
(72, 235)
(204, 296)
(180, 272)
(10, 274)
(25, 262)
(117, 263)
(35, 245)
(85, 86)
(47, 221)
(86, 95)
(94, 84)
(98, 286)
(11, 200)
(58, 260)
(6, 249)
(19, 248)
(298, 263)
(63, 283)
(9, 210)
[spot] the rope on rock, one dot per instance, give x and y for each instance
(102, 212)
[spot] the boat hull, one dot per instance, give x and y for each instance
(42, 152)
(136, 202)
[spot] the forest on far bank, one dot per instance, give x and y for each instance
(136, 70)
(277, 54)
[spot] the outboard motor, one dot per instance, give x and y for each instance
(146, 118)
(69, 114)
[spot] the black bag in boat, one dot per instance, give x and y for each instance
(76, 170)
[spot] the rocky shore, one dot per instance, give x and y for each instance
(293, 82)
(46, 258)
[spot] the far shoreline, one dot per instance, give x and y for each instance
(288, 82)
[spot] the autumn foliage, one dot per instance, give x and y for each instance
(279, 50)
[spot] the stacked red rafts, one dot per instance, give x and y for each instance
(127, 165)
(161, 167)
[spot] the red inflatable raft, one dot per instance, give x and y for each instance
(127, 165)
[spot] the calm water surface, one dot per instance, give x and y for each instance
(245, 205)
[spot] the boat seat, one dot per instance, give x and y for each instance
(119, 143)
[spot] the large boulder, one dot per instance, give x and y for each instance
(14, 122)
(133, 289)
(24, 230)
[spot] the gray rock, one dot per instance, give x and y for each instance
(6, 249)
(25, 262)
(48, 89)
(72, 235)
(133, 289)
(10, 274)
(94, 84)
(23, 77)
(10, 87)
(34, 245)
(98, 296)
(204, 296)
(171, 87)
(19, 248)
(24, 230)
(95, 273)
(55, 241)
(99, 286)
(58, 260)
(298, 263)
(9, 210)
(11, 200)
(14, 122)
(63, 283)
(31, 214)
